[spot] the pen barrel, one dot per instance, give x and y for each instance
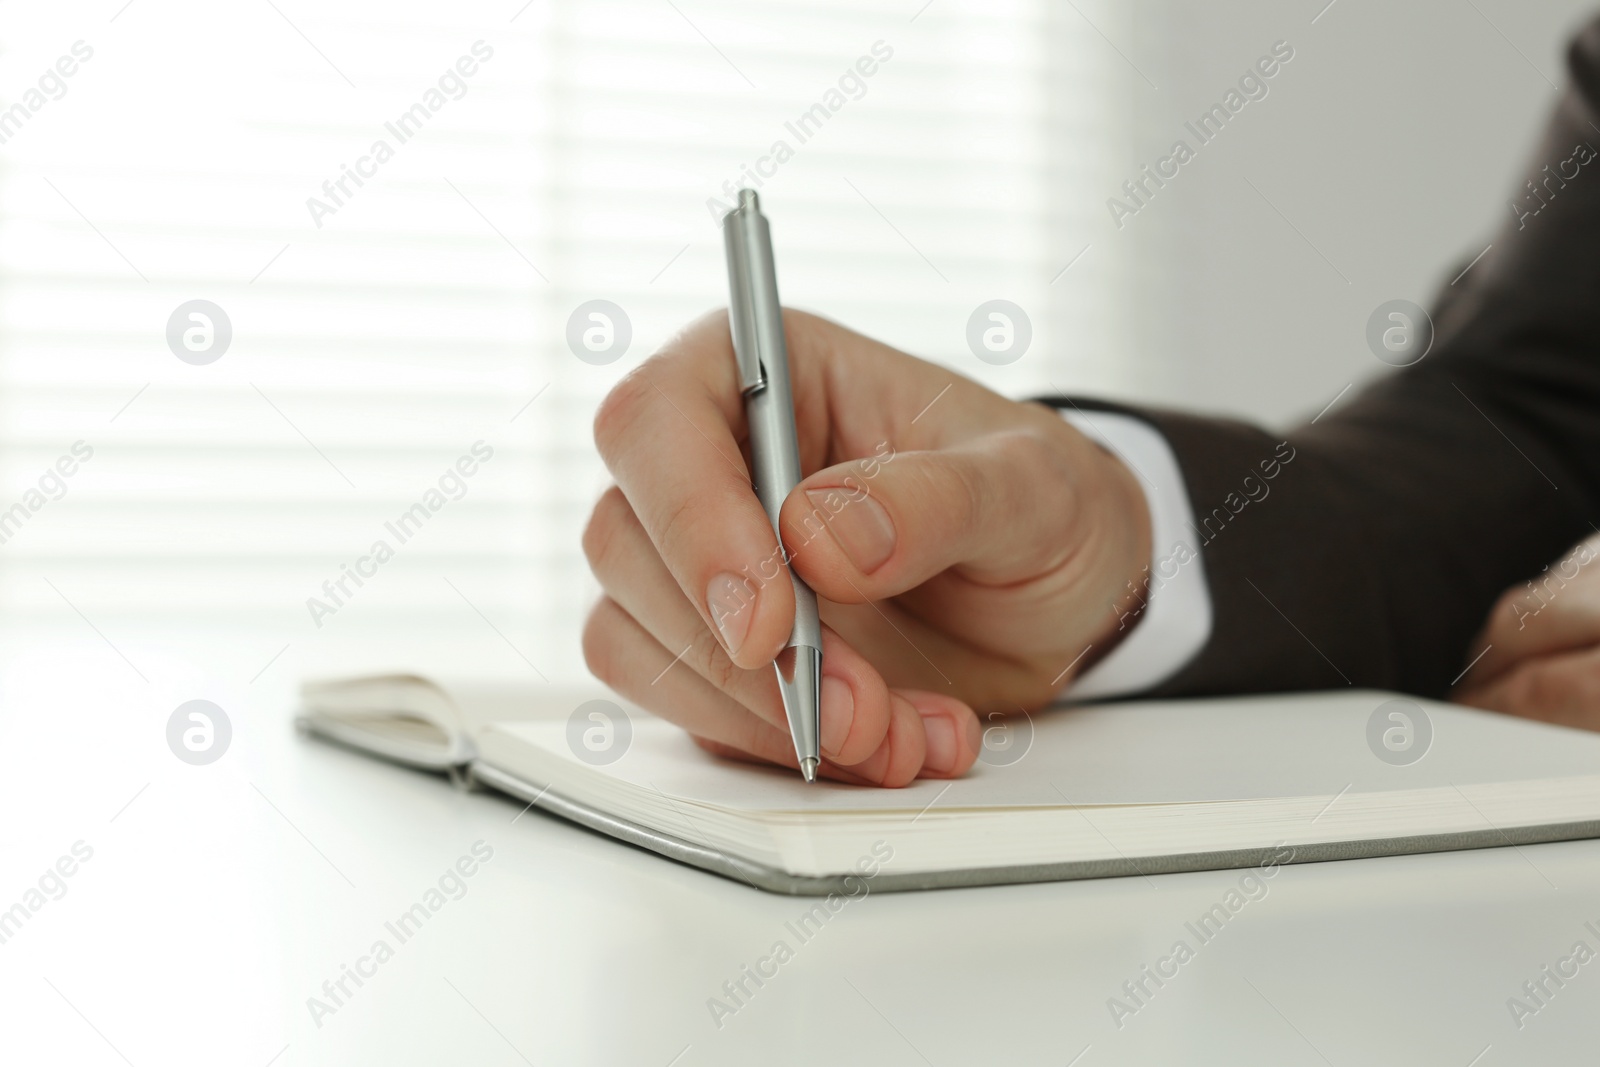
(761, 353)
(776, 473)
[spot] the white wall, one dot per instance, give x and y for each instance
(1392, 141)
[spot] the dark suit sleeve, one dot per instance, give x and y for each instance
(1373, 555)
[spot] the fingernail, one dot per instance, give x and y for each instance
(731, 603)
(859, 525)
(838, 713)
(943, 749)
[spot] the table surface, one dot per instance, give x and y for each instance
(219, 899)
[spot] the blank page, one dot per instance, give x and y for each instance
(1159, 752)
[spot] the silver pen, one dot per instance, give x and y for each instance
(762, 357)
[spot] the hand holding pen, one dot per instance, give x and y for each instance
(965, 550)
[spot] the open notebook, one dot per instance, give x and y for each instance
(1076, 792)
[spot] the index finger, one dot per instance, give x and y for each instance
(669, 432)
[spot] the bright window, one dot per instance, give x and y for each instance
(533, 160)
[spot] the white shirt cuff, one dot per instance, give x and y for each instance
(1174, 620)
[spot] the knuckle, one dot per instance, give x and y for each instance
(690, 525)
(1042, 462)
(963, 495)
(713, 663)
(600, 645)
(606, 521)
(1030, 481)
(673, 526)
(620, 409)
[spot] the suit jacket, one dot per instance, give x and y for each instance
(1380, 546)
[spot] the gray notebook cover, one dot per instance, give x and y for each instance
(776, 880)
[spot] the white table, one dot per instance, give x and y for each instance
(219, 899)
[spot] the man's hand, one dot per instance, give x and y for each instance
(965, 550)
(1543, 660)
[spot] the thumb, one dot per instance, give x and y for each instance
(1000, 508)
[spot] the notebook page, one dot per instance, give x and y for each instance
(1159, 752)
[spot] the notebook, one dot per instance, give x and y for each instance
(1072, 792)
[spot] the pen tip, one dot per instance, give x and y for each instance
(808, 768)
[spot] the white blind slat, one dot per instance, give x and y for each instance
(369, 354)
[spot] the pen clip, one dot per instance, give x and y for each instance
(749, 248)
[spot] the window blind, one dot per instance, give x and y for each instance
(398, 369)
